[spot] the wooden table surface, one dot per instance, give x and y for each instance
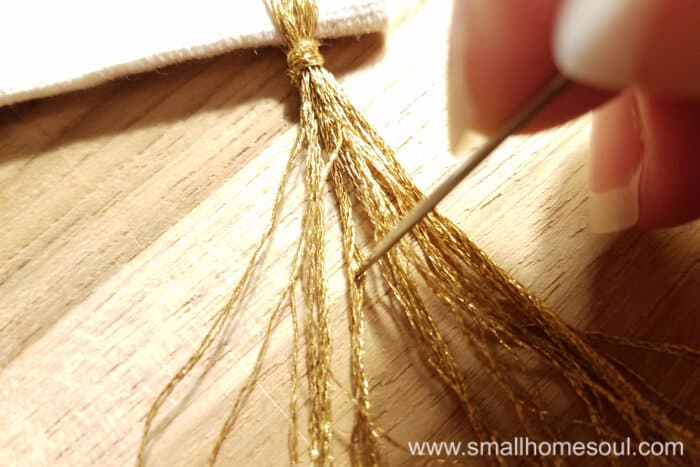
(128, 211)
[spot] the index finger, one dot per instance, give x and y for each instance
(500, 54)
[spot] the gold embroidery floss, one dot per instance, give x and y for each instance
(503, 325)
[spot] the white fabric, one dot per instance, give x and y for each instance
(52, 46)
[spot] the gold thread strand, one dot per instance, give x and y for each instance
(221, 316)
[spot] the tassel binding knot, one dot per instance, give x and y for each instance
(301, 56)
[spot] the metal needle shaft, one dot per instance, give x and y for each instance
(537, 103)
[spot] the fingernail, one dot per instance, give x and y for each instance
(615, 165)
(458, 100)
(616, 209)
(599, 42)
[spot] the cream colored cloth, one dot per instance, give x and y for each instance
(53, 46)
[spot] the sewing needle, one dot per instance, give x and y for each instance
(553, 87)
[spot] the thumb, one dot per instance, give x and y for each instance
(616, 43)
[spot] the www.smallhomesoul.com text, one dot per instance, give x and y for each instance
(525, 447)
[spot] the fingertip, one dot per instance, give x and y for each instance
(615, 165)
(621, 43)
(644, 169)
(600, 42)
(500, 55)
(669, 192)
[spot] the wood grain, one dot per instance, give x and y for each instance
(129, 210)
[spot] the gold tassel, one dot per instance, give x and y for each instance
(503, 324)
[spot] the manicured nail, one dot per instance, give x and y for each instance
(458, 101)
(599, 42)
(616, 209)
(615, 165)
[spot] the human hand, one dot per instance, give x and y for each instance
(636, 61)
